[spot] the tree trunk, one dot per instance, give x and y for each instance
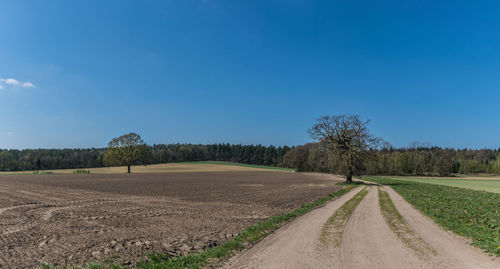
(128, 166)
(350, 162)
(348, 177)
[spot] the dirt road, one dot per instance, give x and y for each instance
(367, 241)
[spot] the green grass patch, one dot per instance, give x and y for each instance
(249, 236)
(243, 164)
(41, 173)
(90, 266)
(332, 229)
(469, 213)
(399, 226)
(473, 184)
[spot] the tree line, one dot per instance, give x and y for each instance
(48, 159)
(343, 146)
(309, 157)
(418, 161)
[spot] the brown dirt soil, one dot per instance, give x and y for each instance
(367, 242)
(75, 219)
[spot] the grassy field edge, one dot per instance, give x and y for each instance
(248, 237)
(243, 165)
(157, 168)
(491, 184)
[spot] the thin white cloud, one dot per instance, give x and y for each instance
(28, 84)
(11, 82)
(10, 133)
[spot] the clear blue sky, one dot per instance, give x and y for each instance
(247, 71)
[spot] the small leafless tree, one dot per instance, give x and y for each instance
(347, 140)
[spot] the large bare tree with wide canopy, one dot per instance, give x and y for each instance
(346, 140)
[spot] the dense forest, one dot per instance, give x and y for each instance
(403, 161)
(46, 159)
(309, 157)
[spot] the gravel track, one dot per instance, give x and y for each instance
(296, 245)
(368, 242)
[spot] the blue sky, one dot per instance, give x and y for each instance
(251, 72)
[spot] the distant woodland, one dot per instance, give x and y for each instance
(402, 161)
(47, 159)
(309, 157)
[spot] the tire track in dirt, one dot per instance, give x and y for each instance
(295, 244)
(124, 212)
(368, 242)
(2, 210)
(400, 227)
(149, 214)
(70, 206)
(15, 229)
(28, 193)
(67, 205)
(333, 228)
(27, 221)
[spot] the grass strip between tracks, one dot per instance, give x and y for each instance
(470, 213)
(332, 229)
(399, 226)
(249, 236)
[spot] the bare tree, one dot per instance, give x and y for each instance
(127, 150)
(346, 139)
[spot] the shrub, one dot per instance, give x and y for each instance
(81, 171)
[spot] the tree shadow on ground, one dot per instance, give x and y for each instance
(358, 183)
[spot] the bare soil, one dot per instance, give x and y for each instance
(76, 219)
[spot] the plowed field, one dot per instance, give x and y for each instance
(76, 219)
